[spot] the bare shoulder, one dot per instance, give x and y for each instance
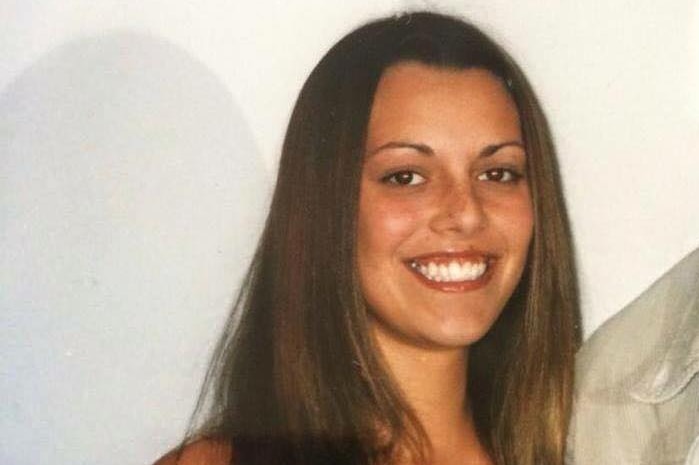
(201, 452)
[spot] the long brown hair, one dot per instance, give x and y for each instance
(295, 377)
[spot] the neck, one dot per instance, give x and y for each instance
(433, 383)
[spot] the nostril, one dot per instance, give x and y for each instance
(460, 210)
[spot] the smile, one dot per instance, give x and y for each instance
(451, 271)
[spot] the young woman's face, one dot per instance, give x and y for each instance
(445, 214)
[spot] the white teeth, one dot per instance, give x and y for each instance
(444, 272)
(470, 269)
(453, 271)
(432, 270)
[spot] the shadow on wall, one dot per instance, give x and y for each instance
(131, 198)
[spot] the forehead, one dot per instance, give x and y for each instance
(412, 97)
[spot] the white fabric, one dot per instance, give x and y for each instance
(637, 388)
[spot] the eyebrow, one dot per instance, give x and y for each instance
(425, 149)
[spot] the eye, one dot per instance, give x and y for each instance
(504, 175)
(404, 178)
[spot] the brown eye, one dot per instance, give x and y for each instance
(499, 175)
(404, 178)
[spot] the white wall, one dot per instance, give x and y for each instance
(138, 141)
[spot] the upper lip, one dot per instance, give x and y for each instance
(475, 256)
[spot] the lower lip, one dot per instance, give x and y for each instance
(456, 286)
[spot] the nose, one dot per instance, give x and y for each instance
(459, 210)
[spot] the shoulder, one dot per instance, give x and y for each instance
(201, 452)
(643, 329)
(628, 370)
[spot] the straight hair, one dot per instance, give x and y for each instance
(296, 377)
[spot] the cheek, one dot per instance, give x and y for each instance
(525, 214)
(515, 220)
(384, 223)
(521, 226)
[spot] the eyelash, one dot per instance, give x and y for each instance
(393, 178)
(506, 175)
(498, 175)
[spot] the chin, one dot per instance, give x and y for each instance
(445, 334)
(459, 337)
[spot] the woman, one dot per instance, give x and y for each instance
(412, 299)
